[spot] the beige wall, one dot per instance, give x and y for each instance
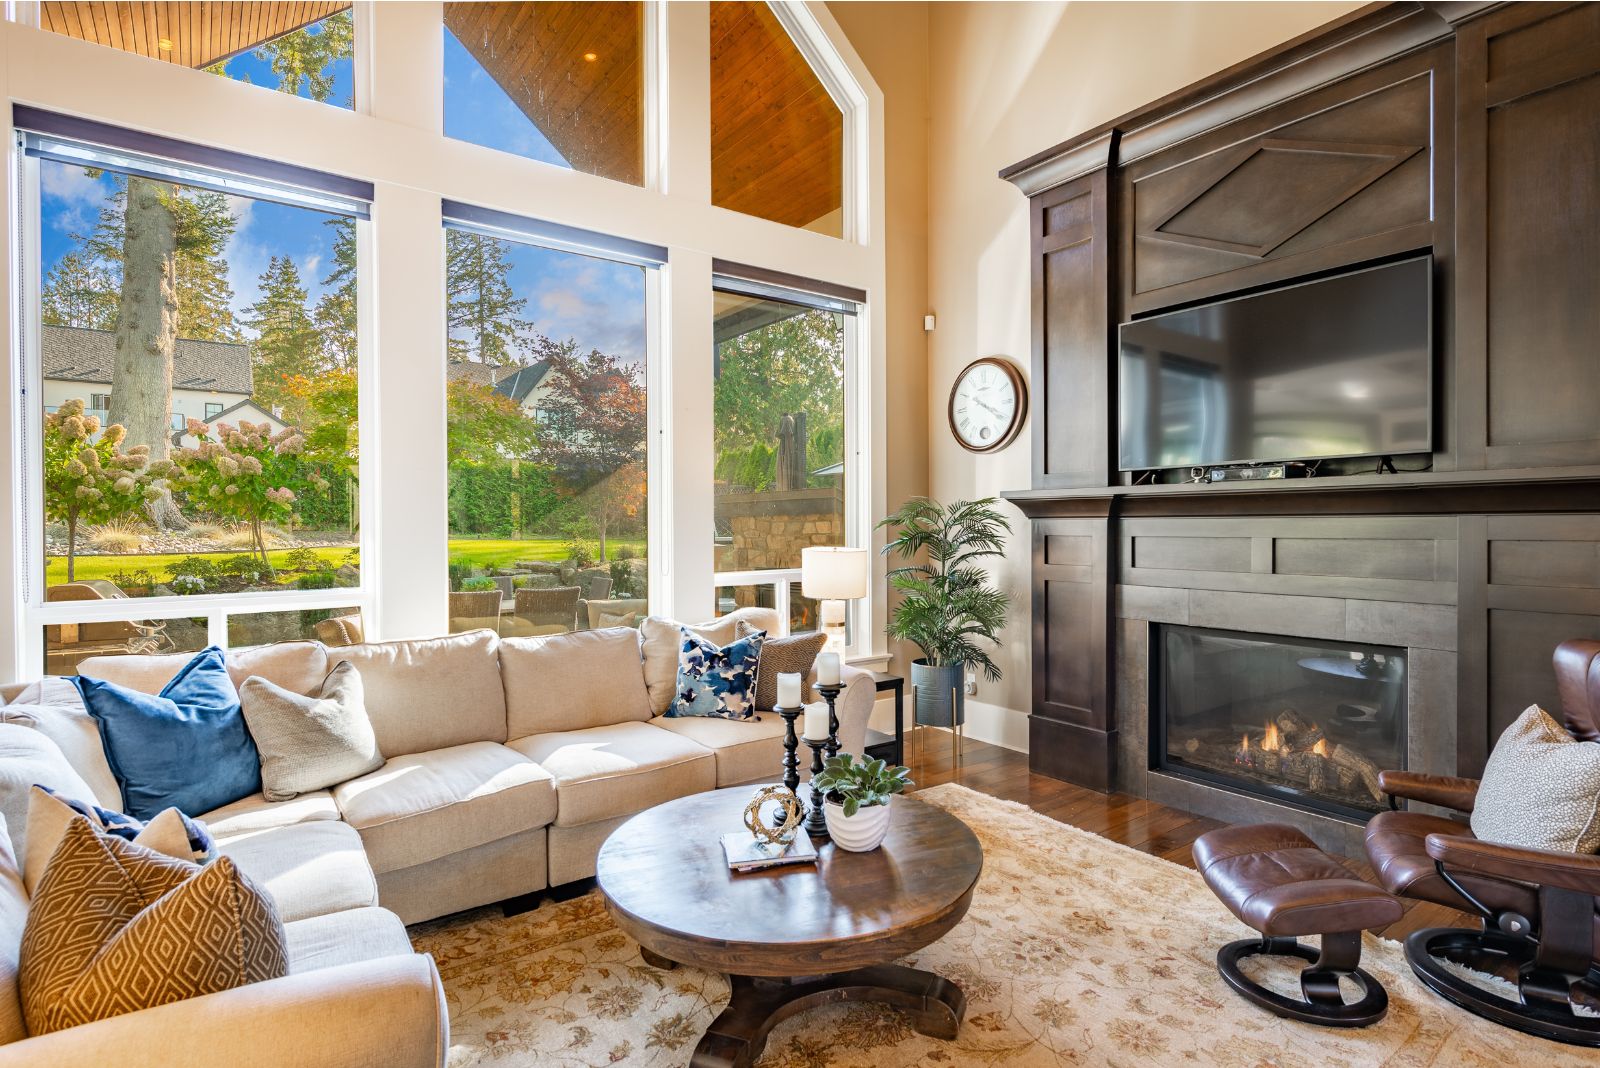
(892, 40)
(1011, 79)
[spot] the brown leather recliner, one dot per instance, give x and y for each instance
(1540, 909)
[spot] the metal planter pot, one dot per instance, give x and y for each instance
(941, 694)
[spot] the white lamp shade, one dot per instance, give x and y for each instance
(834, 573)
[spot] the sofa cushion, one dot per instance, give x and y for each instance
(108, 910)
(570, 681)
(310, 869)
(618, 769)
(662, 638)
(13, 917)
(254, 814)
(54, 706)
(423, 806)
(29, 757)
(347, 937)
(297, 666)
(745, 750)
(171, 833)
(310, 742)
(433, 693)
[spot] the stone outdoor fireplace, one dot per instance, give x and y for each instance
(1296, 720)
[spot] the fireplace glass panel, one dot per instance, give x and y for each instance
(1310, 722)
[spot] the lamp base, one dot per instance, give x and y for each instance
(830, 621)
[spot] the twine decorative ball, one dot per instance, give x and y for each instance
(788, 803)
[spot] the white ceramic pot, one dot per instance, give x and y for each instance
(862, 832)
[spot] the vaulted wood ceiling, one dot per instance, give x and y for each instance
(590, 109)
(189, 34)
(777, 138)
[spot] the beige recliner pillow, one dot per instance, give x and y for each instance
(1540, 788)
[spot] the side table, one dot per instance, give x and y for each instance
(880, 745)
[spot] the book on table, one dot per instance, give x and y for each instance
(748, 853)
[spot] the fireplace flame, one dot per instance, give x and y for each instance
(1321, 748)
(1270, 741)
(1243, 756)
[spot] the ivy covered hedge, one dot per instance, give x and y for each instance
(500, 500)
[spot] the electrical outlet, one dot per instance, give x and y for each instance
(972, 685)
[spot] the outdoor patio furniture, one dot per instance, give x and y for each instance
(589, 612)
(68, 643)
(340, 630)
(595, 586)
(471, 610)
(551, 611)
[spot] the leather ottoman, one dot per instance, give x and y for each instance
(1276, 880)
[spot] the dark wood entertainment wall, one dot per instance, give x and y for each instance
(1469, 130)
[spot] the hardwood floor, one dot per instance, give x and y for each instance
(1143, 825)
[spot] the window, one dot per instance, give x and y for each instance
(547, 431)
(172, 303)
(305, 49)
(561, 82)
(782, 361)
(777, 136)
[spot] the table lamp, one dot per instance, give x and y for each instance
(833, 574)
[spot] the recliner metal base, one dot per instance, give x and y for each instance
(1324, 1004)
(1546, 1006)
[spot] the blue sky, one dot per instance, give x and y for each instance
(598, 302)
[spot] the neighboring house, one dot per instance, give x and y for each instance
(527, 386)
(211, 380)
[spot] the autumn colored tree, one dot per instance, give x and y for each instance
(88, 477)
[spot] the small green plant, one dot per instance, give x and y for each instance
(481, 584)
(315, 580)
(857, 786)
(622, 579)
(130, 581)
(306, 560)
(460, 571)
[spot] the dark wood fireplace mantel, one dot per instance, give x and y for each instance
(1489, 556)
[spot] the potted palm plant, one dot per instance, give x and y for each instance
(856, 799)
(948, 607)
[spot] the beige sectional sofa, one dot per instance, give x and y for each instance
(508, 762)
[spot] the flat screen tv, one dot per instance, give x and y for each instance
(1337, 367)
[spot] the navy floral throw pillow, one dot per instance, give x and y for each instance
(715, 680)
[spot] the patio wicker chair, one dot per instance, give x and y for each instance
(474, 609)
(549, 611)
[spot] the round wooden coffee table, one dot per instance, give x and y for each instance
(794, 937)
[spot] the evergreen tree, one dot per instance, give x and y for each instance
(485, 314)
(335, 314)
(286, 345)
(308, 58)
(79, 291)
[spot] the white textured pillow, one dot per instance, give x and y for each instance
(29, 757)
(310, 743)
(1540, 788)
(54, 707)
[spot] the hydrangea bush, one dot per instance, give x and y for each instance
(246, 473)
(89, 477)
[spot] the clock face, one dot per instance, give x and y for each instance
(986, 405)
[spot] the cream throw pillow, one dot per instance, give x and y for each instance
(310, 743)
(116, 928)
(1540, 788)
(49, 817)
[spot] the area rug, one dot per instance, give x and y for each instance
(1076, 951)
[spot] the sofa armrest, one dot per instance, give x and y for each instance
(1579, 872)
(853, 706)
(1446, 791)
(384, 1012)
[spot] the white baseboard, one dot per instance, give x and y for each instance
(994, 724)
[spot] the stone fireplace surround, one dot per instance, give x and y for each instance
(1382, 581)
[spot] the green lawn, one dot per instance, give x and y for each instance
(496, 552)
(479, 552)
(103, 567)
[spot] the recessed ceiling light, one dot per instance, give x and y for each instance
(165, 44)
(590, 57)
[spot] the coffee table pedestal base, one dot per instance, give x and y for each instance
(737, 1037)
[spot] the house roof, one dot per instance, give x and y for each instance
(474, 371)
(523, 381)
(76, 354)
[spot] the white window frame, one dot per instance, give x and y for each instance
(394, 139)
(36, 612)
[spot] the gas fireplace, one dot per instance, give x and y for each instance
(1299, 720)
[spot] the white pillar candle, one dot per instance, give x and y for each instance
(828, 669)
(816, 722)
(788, 689)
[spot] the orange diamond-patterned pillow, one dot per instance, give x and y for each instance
(115, 928)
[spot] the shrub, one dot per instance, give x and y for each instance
(623, 579)
(316, 580)
(92, 481)
(113, 538)
(304, 559)
(249, 473)
(481, 584)
(626, 552)
(460, 571)
(206, 531)
(128, 581)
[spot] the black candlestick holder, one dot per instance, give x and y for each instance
(816, 819)
(831, 694)
(791, 758)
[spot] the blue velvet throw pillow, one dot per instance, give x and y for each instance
(185, 748)
(717, 681)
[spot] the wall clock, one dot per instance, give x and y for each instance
(988, 403)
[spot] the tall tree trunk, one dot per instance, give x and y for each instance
(147, 328)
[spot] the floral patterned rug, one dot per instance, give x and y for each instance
(1076, 951)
